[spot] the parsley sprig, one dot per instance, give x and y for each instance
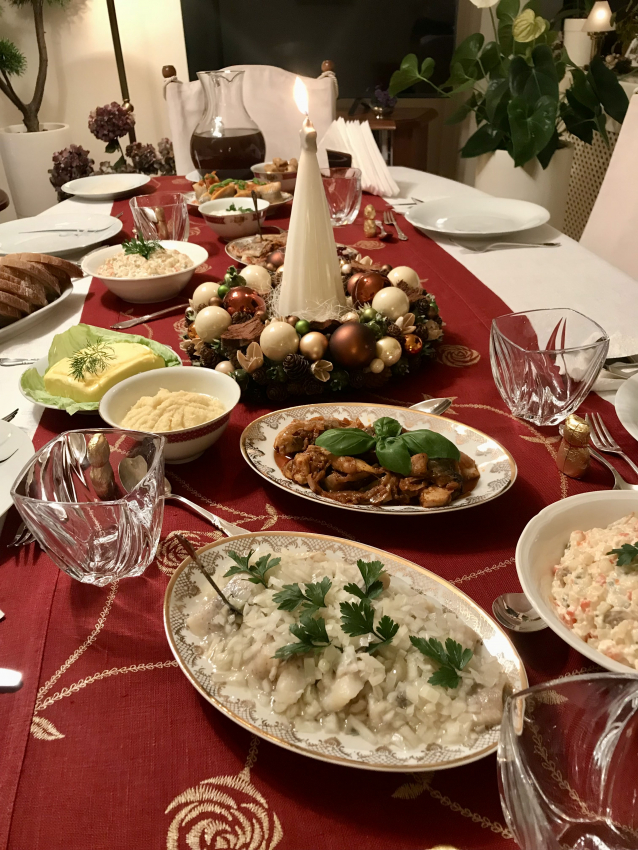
(627, 556)
(92, 359)
(256, 572)
(311, 634)
(140, 246)
(452, 658)
(311, 599)
(371, 572)
(357, 618)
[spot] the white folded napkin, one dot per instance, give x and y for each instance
(356, 138)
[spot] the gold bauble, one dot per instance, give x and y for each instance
(377, 366)
(192, 333)
(313, 345)
(389, 350)
(412, 344)
(225, 367)
(369, 211)
(350, 317)
(369, 227)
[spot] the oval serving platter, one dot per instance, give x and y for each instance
(495, 463)
(238, 703)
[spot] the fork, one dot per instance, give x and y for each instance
(388, 218)
(22, 536)
(619, 481)
(603, 440)
(16, 361)
(10, 416)
(481, 249)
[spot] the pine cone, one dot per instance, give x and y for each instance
(296, 366)
(238, 318)
(188, 347)
(433, 311)
(372, 380)
(421, 331)
(232, 356)
(422, 306)
(357, 380)
(296, 388)
(260, 376)
(313, 387)
(277, 392)
(394, 331)
(209, 356)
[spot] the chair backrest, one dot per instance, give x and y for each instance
(613, 223)
(269, 101)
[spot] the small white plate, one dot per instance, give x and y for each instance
(23, 325)
(476, 216)
(626, 405)
(194, 176)
(57, 234)
(14, 442)
(105, 187)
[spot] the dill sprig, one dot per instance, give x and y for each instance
(142, 247)
(92, 359)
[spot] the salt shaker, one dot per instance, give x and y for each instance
(573, 453)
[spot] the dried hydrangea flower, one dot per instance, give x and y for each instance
(143, 157)
(69, 164)
(110, 122)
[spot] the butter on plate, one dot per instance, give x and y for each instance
(129, 358)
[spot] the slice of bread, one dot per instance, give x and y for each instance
(33, 294)
(8, 315)
(15, 302)
(62, 269)
(31, 272)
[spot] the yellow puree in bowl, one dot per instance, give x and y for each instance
(172, 411)
(129, 358)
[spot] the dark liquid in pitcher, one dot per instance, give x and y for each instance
(230, 155)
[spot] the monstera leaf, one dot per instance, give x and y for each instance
(531, 127)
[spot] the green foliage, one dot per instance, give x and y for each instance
(513, 84)
(627, 556)
(371, 572)
(311, 634)
(311, 599)
(13, 62)
(451, 659)
(357, 618)
(256, 572)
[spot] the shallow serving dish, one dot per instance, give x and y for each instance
(105, 187)
(476, 216)
(626, 404)
(146, 290)
(189, 443)
(15, 450)
(542, 544)
(495, 463)
(286, 198)
(238, 703)
(229, 224)
(22, 325)
(287, 179)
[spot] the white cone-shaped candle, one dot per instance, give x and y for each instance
(311, 285)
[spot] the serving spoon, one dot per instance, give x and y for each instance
(516, 612)
(435, 406)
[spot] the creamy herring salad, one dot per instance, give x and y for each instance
(596, 591)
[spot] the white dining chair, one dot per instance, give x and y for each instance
(613, 224)
(268, 97)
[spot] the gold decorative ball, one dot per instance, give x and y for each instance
(292, 320)
(225, 366)
(350, 317)
(377, 366)
(412, 344)
(192, 333)
(278, 340)
(389, 350)
(313, 345)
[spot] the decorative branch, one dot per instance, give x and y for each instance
(43, 60)
(7, 89)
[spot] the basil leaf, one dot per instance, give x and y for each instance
(345, 441)
(433, 444)
(393, 454)
(387, 427)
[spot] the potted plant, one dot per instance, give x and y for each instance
(26, 148)
(512, 86)
(576, 41)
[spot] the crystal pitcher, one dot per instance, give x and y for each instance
(226, 139)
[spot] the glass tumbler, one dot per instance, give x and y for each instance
(545, 362)
(94, 527)
(568, 771)
(163, 215)
(343, 191)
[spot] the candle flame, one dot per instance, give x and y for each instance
(300, 93)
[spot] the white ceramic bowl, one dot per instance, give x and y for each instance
(186, 445)
(542, 544)
(286, 178)
(145, 290)
(103, 187)
(228, 224)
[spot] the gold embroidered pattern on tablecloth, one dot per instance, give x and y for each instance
(458, 356)
(224, 811)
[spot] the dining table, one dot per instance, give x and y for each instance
(107, 745)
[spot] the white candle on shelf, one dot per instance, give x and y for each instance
(311, 285)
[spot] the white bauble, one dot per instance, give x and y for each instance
(211, 322)
(377, 365)
(203, 294)
(405, 274)
(352, 316)
(257, 278)
(278, 340)
(391, 302)
(389, 350)
(225, 367)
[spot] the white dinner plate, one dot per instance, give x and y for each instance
(56, 233)
(627, 405)
(105, 187)
(23, 325)
(495, 463)
(14, 443)
(239, 704)
(476, 216)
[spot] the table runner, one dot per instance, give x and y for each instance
(107, 744)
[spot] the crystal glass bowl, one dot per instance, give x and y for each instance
(545, 362)
(71, 497)
(567, 764)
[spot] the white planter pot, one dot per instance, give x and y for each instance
(496, 175)
(577, 42)
(27, 159)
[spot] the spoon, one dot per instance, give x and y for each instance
(10, 680)
(200, 566)
(515, 612)
(253, 195)
(436, 406)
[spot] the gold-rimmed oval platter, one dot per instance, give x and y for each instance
(188, 590)
(496, 465)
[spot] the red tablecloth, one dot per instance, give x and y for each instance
(108, 746)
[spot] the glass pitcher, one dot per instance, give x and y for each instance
(226, 140)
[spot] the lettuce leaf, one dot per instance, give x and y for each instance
(65, 345)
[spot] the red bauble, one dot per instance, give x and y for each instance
(242, 299)
(352, 280)
(367, 286)
(276, 258)
(353, 345)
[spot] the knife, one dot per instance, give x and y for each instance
(140, 319)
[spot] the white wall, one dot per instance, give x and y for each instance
(82, 70)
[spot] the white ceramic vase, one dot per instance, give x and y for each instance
(577, 42)
(496, 175)
(27, 159)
